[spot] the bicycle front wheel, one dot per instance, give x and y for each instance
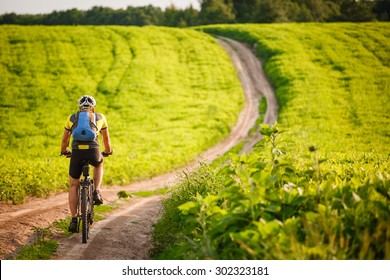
(84, 214)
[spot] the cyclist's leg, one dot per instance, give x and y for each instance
(96, 160)
(73, 195)
(97, 181)
(98, 176)
(75, 169)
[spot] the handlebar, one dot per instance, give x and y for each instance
(105, 154)
(68, 153)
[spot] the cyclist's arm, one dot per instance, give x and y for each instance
(65, 140)
(106, 140)
(66, 134)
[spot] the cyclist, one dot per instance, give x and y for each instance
(85, 151)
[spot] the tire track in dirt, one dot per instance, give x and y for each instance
(254, 81)
(125, 234)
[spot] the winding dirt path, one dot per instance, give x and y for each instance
(125, 233)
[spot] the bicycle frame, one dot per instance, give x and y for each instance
(85, 207)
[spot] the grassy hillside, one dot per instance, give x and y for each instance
(318, 185)
(332, 81)
(168, 94)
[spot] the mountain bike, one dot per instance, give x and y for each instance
(85, 205)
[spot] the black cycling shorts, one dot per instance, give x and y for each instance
(78, 159)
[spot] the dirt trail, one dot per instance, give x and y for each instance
(125, 233)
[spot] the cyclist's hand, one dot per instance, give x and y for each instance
(105, 154)
(66, 153)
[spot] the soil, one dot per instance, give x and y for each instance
(126, 232)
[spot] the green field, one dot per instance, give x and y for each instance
(168, 94)
(332, 81)
(318, 185)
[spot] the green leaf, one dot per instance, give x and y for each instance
(188, 207)
(269, 229)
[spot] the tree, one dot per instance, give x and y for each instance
(191, 16)
(244, 10)
(316, 10)
(382, 10)
(216, 11)
(98, 15)
(268, 11)
(10, 18)
(357, 11)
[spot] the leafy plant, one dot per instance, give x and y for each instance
(124, 194)
(271, 208)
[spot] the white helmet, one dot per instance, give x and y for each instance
(86, 101)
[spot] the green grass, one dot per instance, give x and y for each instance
(159, 191)
(318, 185)
(331, 80)
(168, 95)
(42, 250)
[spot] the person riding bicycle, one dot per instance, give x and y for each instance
(85, 151)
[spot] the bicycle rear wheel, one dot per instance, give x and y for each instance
(84, 214)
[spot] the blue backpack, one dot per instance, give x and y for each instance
(84, 129)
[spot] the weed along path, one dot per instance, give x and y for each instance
(125, 232)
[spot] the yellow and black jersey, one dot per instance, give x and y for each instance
(101, 123)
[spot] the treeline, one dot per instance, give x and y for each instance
(216, 11)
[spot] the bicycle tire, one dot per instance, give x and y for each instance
(91, 212)
(84, 215)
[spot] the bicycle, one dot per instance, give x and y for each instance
(85, 205)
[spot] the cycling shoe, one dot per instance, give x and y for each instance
(97, 198)
(73, 227)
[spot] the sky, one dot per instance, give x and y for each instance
(48, 6)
